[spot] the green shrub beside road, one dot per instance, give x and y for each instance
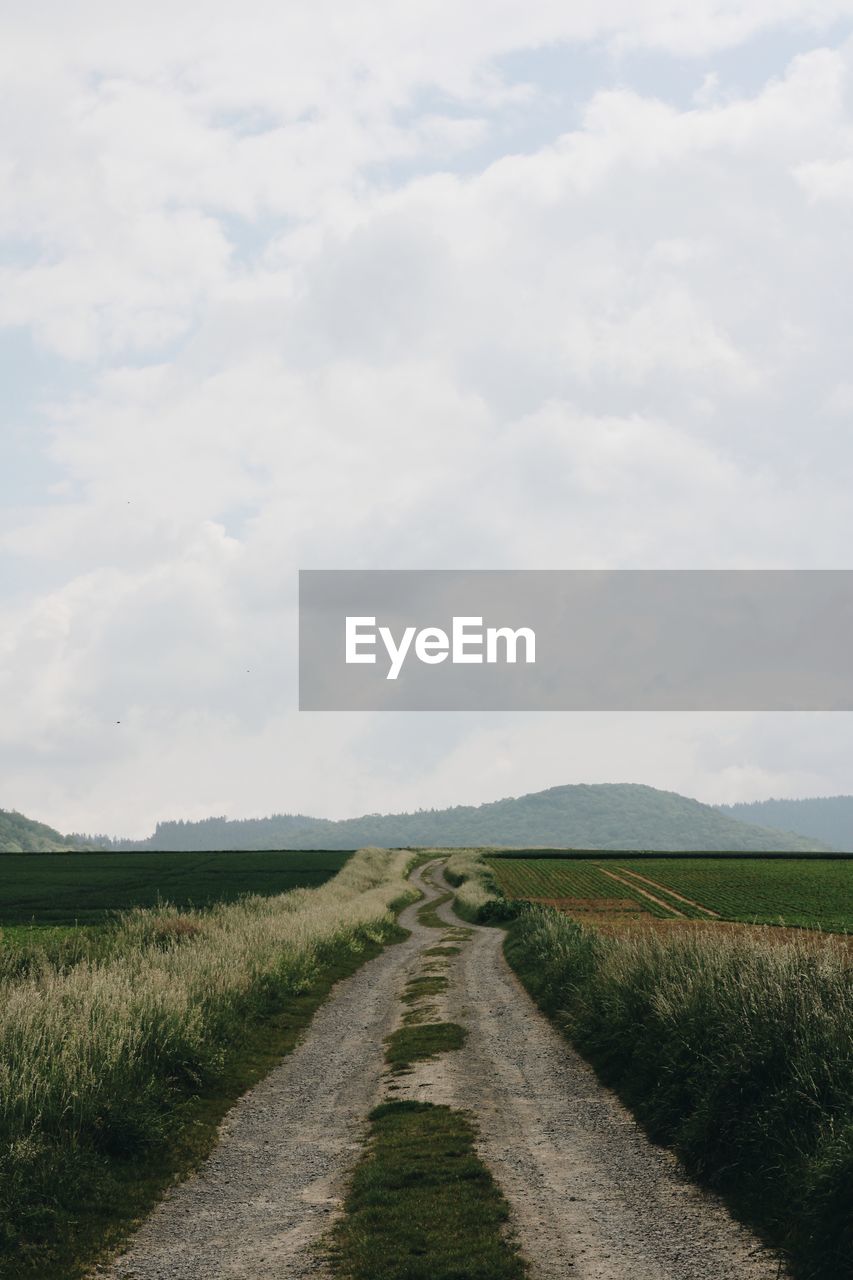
(478, 896)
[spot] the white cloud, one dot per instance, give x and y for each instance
(828, 180)
(319, 331)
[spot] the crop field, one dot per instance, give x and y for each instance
(804, 892)
(581, 887)
(84, 888)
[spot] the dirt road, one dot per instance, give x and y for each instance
(265, 1195)
(590, 1197)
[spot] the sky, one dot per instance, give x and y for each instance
(370, 285)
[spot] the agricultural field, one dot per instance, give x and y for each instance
(85, 888)
(805, 891)
(800, 892)
(583, 888)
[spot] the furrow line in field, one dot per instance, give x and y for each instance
(665, 888)
(629, 884)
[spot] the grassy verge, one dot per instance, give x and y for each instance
(736, 1054)
(114, 1074)
(78, 1222)
(421, 988)
(422, 1206)
(415, 1043)
(478, 898)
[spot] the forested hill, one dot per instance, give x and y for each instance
(606, 816)
(21, 835)
(828, 818)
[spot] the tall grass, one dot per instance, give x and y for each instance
(98, 1054)
(736, 1053)
(478, 896)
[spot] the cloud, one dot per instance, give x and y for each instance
(317, 324)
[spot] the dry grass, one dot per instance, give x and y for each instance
(839, 944)
(732, 1048)
(478, 897)
(95, 1057)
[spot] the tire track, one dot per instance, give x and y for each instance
(629, 884)
(664, 888)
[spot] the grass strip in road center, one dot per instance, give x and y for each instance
(422, 1205)
(420, 1013)
(422, 987)
(415, 1043)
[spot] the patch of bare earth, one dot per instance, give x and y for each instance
(616, 916)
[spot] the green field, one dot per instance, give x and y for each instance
(804, 891)
(807, 892)
(553, 878)
(64, 888)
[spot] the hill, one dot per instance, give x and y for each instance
(605, 816)
(22, 835)
(826, 818)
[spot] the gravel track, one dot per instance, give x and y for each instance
(590, 1197)
(259, 1204)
